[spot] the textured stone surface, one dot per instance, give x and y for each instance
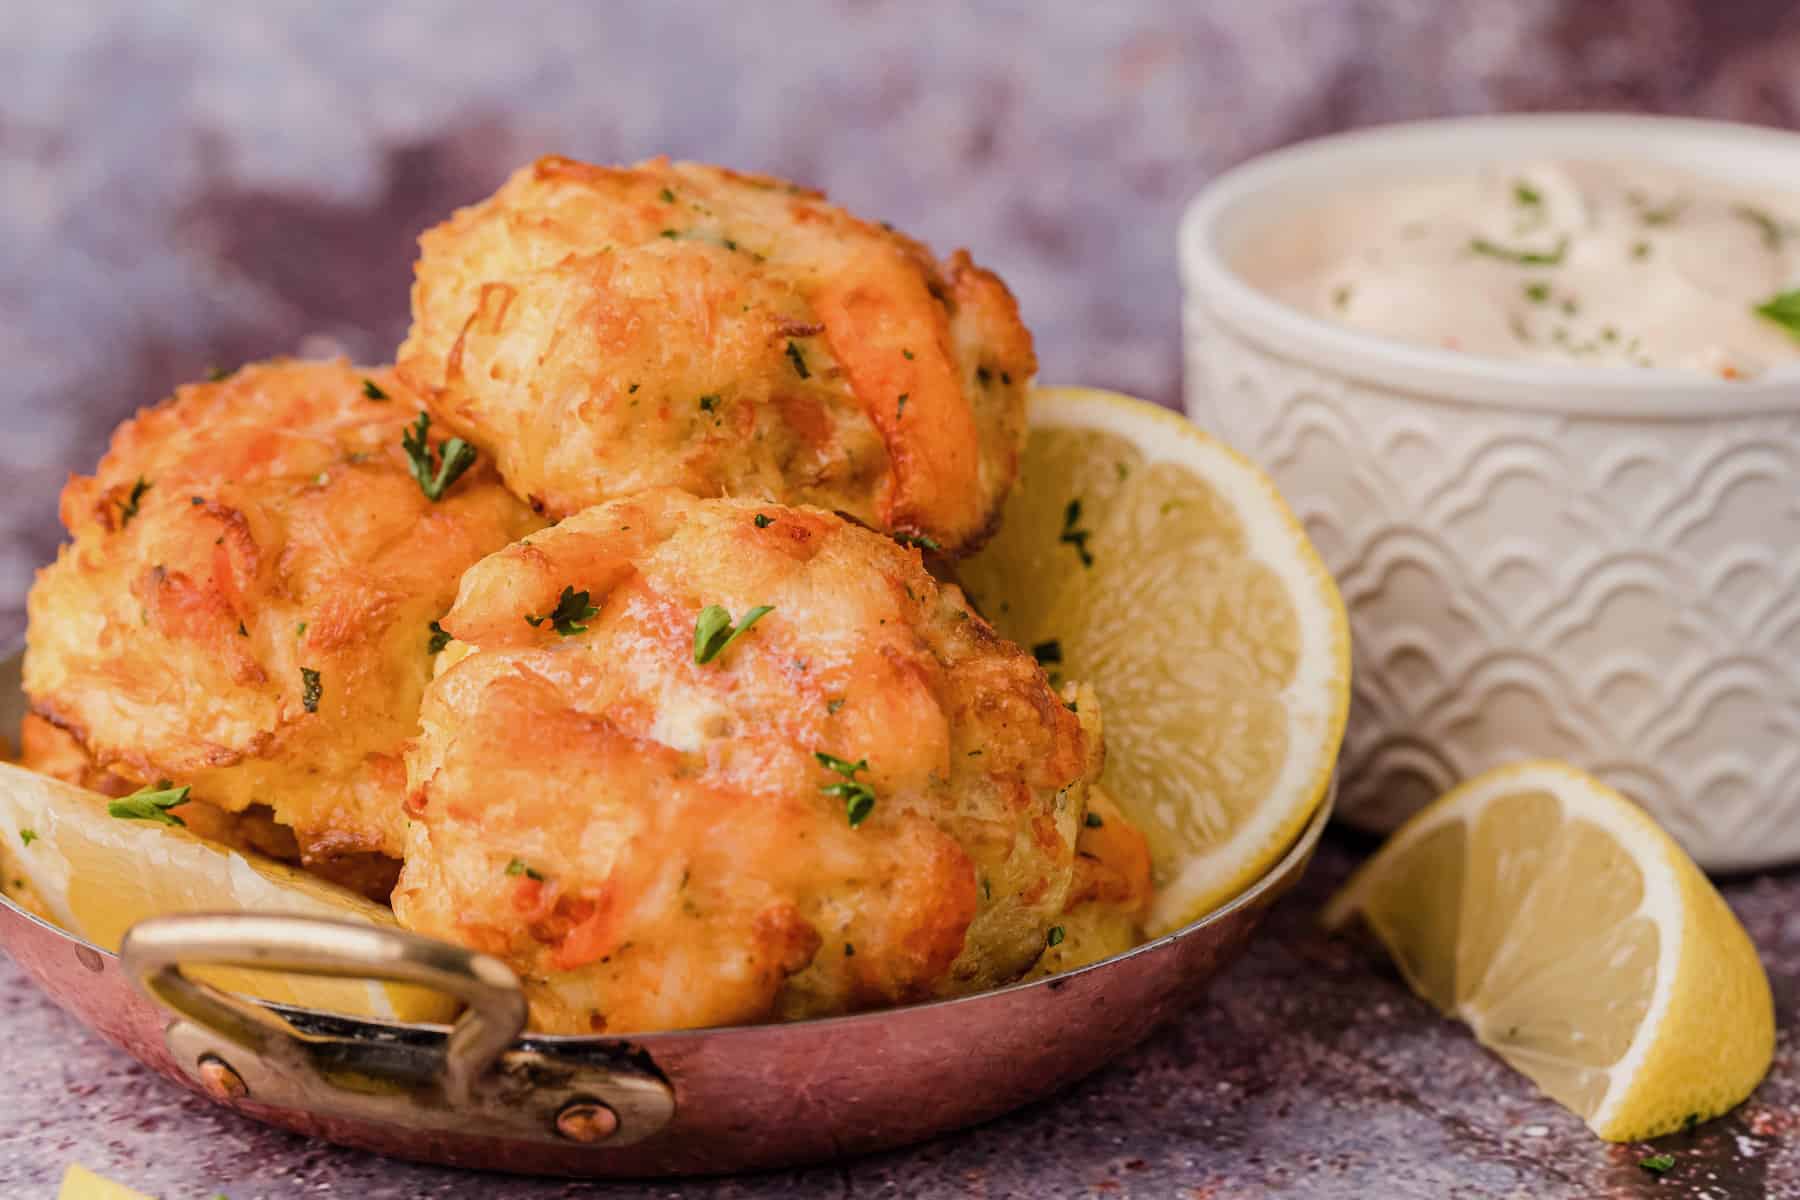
(183, 184)
(1307, 1070)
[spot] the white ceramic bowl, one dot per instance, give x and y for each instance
(1599, 565)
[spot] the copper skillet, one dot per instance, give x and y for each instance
(485, 1094)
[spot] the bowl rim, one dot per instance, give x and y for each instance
(1447, 376)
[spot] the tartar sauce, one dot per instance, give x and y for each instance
(1608, 264)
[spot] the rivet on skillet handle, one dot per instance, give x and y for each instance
(471, 1081)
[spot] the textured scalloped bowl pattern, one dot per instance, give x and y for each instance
(1566, 575)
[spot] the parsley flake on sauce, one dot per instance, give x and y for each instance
(151, 804)
(1783, 308)
(433, 475)
(572, 608)
(1524, 258)
(713, 630)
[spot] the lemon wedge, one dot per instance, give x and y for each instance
(1141, 556)
(79, 1183)
(63, 857)
(1578, 942)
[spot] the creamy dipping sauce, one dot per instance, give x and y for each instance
(1593, 263)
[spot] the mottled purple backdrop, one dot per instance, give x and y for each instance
(187, 184)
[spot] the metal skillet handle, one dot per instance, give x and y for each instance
(469, 1081)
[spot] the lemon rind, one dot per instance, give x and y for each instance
(1274, 538)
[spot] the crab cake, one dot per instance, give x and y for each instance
(601, 331)
(700, 762)
(246, 603)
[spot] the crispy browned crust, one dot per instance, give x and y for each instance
(573, 323)
(646, 839)
(276, 531)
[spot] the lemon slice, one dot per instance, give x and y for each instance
(1578, 942)
(96, 875)
(79, 1183)
(1141, 556)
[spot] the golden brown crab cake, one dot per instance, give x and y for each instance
(604, 330)
(868, 797)
(1110, 899)
(245, 604)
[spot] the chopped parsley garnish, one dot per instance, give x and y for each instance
(709, 402)
(1640, 250)
(1783, 308)
(310, 689)
(435, 477)
(1055, 936)
(129, 508)
(849, 950)
(907, 355)
(1537, 293)
(900, 404)
(1657, 1164)
(668, 197)
(669, 233)
(923, 541)
(571, 609)
(799, 361)
(764, 520)
(372, 390)
(219, 374)
(1093, 820)
(517, 867)
(1047, 652)
(1527, 195)
(1524, 258)
(151, 804)
(858, 798)
(1663, 215)
(1075, 536)
(440, 637)
(713, 630)
(982, 376)
(832, 705)
(27, 836)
